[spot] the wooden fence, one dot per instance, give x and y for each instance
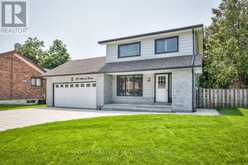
(221, 98)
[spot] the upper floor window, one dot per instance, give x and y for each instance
(129, 50)
(166, 45)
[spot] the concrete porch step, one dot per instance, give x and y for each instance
(138, 107)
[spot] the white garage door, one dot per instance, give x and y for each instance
(75, 95)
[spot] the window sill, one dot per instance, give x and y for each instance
(129, 96)
(129, 56)
(157, 53)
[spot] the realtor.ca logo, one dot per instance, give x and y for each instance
(13, 17)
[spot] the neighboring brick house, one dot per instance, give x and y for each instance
(20, 80)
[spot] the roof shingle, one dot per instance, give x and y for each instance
(84, 66)
(98, 65)
(152, 64)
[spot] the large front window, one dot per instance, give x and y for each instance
(129, 50)
(166, 45)
(130, 85)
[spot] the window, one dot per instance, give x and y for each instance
(61, 86)
(129, 50)
(31, 101)
(77, 85)
(161, 82)
(33, 82)
(57, 86)
(130, 85)
(166, 45)
(36, 82)
(82, 85)
(87, 85)
(94, 84)
(71, 86)
(66, 85)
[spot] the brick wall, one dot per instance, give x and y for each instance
(5, 76)
(15, 79)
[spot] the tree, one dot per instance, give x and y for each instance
(226, 43)
(33, 48)
(56, 55)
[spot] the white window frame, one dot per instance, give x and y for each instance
(37, 82)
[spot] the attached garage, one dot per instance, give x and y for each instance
(76, 84)
(76, 95)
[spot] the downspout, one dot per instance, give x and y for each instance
(193, 72)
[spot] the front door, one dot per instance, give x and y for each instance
(162, 88)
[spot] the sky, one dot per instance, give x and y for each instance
(81, 23)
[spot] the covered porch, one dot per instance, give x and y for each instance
(159, 90)
(139, 91)
(150, 84)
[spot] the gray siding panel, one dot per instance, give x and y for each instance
(182, 90)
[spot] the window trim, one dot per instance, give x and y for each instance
(127, 45)
(117, 89)
(173, 51)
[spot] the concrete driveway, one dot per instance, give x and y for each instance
(21, 118)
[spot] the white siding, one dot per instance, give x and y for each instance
(49, 91)
(147, 48)
(99, 90)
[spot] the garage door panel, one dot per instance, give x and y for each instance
(78, 95)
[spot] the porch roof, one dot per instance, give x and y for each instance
(152, 64)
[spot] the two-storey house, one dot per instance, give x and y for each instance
(148, 72)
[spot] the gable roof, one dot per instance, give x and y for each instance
(73, 67)
(151, 33)
(153, 64)
(24, 59)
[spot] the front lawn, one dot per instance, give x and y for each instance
(140, 139)
(13, 107)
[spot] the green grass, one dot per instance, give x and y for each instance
(13, 107)
(140, 139)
